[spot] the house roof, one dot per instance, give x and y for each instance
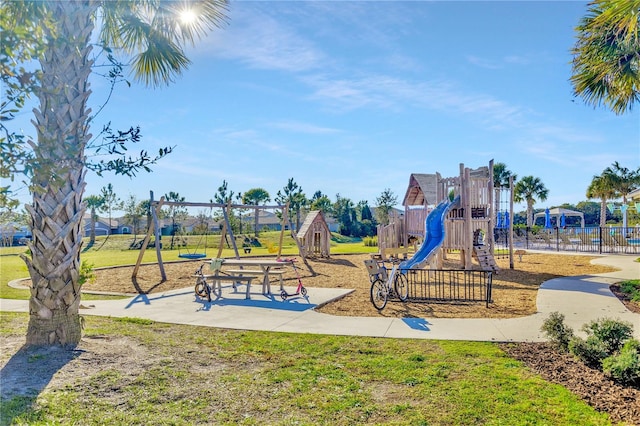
(422, 190)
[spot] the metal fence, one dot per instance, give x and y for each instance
(616, 240)
(449, 285)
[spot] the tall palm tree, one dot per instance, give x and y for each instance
(529, 189)
(625, 181)
(604, 188)
(606, 62)
(93, 203)
(150, 34)
(254, 197)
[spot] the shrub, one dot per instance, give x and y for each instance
(557, 332)
(370, 241)
(87, 274)
(610, 332)
(631, 289)
(625, 366)
(591, 351)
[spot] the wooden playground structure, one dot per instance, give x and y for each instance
(154, 229)
(469, 225)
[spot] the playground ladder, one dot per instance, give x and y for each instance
(484, 257)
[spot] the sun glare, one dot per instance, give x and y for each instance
(187, 16)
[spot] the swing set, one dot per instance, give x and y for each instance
(196, 252)
(193, 254)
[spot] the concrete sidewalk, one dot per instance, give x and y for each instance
(581, 299)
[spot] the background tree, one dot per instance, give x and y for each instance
(321, 202)
(133, 214)
(154, 45)
(590, 210)
(606, 56)
(345, 214)
(292, 193)
(366, 220)
(176, 214)
(530, 189)
(225, 196)
(255, 197)
(386, 202)
(94, 204)
(604, 188)
(625, 181)
(110, 202)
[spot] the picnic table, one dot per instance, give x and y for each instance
(256, 267)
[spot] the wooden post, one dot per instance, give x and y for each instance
(156, 225)
(147, 237)
(285, 219)
(491, 223)
(223, 232)
(468, 225)
(230, 230)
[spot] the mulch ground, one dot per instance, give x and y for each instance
(514, 290)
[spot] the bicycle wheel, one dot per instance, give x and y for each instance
(378, 294)
(201, 288)
(401, 286)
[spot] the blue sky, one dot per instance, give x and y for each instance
(350, 98)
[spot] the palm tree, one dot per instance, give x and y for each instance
(606, 62)
(147, 32)
(603, 187)
(93, 203)
(625, 181)
(254, 197)
(501, 179)
(529, 189)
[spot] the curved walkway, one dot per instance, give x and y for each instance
(581, 299)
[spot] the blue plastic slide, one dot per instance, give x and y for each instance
(434, 235)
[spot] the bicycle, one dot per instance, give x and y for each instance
(202, 289)
(386, 285)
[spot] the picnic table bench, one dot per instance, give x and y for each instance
(218, 278)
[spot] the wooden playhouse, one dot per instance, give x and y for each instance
(314, 235)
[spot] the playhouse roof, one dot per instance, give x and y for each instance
(314, 216)
(422, 190)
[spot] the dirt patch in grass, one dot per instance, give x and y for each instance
(514, 290)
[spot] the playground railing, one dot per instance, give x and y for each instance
(615, 240)
(449, 285)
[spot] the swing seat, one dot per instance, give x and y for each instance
(192, 255)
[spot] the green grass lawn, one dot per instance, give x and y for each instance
(192, 375)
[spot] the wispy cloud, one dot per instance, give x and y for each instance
(261, 42)
(299, 127)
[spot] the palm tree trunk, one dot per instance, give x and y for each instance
(92, 234)
(529, 213)
(57, 209)
(603, 213)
